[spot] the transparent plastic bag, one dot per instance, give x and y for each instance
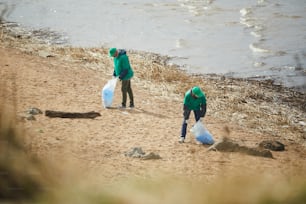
(108, 92)
(201, 133)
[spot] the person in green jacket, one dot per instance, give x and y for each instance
(124, 71)
(194, 100)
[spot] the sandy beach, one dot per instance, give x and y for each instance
(71, 79)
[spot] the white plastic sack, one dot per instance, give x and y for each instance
(202, 134)
(108, 92)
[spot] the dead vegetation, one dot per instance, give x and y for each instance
(23, 177)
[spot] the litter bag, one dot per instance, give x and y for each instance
(202, 134)
(108, 92)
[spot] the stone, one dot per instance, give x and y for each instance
(272, 145)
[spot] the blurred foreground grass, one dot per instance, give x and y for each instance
(25, 178)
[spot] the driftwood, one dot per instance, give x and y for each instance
(60, 114)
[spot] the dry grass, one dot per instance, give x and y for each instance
(256, 105)
(22, 176)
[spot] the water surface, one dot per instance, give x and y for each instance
(240, 38)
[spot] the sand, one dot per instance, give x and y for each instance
(65, 79)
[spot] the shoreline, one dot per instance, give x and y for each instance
(243, 95)
(45, 36)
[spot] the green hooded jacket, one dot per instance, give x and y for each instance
(122, 66)
(194, 103)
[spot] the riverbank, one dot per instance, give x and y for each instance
(51, 77)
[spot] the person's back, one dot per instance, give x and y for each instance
(123, 68)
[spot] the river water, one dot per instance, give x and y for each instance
(240, 38)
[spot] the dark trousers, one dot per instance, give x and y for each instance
(197, 116)
(127, 89)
